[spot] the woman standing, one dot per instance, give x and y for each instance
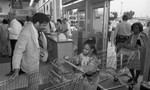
(138, 44)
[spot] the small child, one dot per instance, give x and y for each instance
(88, 62)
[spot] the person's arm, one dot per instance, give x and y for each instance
(19, 49)
(65, 31)
(53, 27)
(91, 67)
(77, 60)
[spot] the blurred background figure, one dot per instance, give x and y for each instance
(59, 26)
(112, 36)
(50, 26)
(14, 31)
(146, 30)
(4, 40)
(73, 26)
(66, 28)
(27, 20)
(121, 36)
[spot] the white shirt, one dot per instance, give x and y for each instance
(123, 28)
(67, 26)
(14, 30)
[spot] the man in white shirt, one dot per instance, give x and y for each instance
(14, 31)
(50, 26)
(29, 50)
(123, 29)
(121, 35)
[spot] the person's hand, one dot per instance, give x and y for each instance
(42, 52)
(66, 57)
(16, 73)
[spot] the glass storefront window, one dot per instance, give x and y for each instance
(98, 20)
(81, 20)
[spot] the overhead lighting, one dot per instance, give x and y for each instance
(31, 2)
(72, 3)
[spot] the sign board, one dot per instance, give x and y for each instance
(64, 2)
(16, 4)
(23, 12)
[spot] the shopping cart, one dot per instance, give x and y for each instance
(110, 77)
(106, 75)
(51, 76)
(70, 75)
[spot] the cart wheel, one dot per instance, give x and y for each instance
(130, 88)
(116, 80)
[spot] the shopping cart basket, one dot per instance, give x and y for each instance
(109, 77)
(49, 75)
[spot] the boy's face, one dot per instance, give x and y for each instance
(86, 50)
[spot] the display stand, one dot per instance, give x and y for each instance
(59, 49)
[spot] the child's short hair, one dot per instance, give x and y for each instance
(91, 42)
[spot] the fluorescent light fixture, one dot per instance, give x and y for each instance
(31, 2)
(72, 3)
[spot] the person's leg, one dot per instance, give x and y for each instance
(12, 43)
(132, 75)
(9, 48)
(137, 76)
(3, 50)
(21, 72)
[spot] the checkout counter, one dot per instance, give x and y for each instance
(59, 47)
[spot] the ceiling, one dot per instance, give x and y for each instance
(22, 0)
(29, 0)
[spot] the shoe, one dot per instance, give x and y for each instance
(21, 72)
(10, 73)
(130, 80)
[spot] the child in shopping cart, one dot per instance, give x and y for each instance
(88, 63)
